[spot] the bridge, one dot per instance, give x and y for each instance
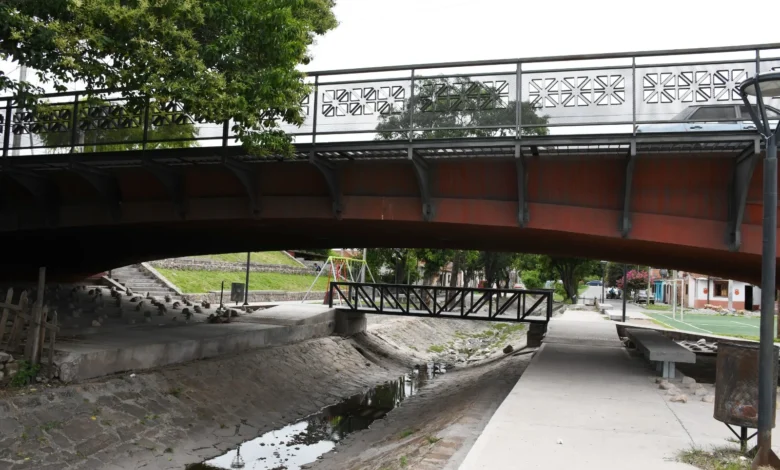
(582, 155)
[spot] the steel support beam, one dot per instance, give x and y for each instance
(625, 219)
(247, 175)
(422, 171)
(522, 187)
(105, 184)
(43, 189)
(741, 175)
(173, 181)
(332, 177)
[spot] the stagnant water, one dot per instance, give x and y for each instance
(303, 442)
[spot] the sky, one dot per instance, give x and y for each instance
(398, 32)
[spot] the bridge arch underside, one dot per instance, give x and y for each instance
(678, 210)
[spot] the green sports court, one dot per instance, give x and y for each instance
(723, 325)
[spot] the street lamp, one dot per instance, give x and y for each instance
(603, 278)
(766, 86)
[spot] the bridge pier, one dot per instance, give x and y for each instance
(536, 332)
(349, 323)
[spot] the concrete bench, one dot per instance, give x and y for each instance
(614, 315)
(660, 349)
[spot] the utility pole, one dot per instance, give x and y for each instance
(18, 137)
(674, 294)
(731, 296)
(648, 287)
(246, 283)
(625, 291)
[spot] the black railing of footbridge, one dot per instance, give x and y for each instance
(420, 102)
(505, 305)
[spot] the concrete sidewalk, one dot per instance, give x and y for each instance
(584, 402)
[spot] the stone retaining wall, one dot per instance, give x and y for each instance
(257, 296)
(213, 265)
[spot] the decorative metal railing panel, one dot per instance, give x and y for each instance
(507, 305)
(608, 93)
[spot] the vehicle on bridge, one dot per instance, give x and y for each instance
(703, 118)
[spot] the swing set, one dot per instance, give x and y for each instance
(341, 269)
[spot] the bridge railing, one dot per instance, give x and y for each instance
(625, 93)
(509, 305)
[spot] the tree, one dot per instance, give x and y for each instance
(569, 270)
(461, 260)
(92, 137)
(637, 280)
(394, 265)
(434, 261)
(496, 266)
(221, 60)
(457, 107)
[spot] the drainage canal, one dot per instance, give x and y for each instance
(297, 444)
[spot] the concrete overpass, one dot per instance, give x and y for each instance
(575, 179)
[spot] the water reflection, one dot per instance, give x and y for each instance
(303, 442)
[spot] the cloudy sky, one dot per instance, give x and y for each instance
(397, 32)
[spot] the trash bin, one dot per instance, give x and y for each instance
(736, 384)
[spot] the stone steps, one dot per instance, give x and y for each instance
(141, 282)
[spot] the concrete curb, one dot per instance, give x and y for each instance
(293, 258)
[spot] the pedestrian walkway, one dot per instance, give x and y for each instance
(585, 403)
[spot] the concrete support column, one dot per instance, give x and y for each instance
(536, 332)
(350, 323)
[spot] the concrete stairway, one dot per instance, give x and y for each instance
(141, 282)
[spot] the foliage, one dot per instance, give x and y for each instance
(725, 458)
(434, 260)
(106, 139)
(569, 270)
(496, 266)
(531, 279)
(25, 374)
(221, 59)
(206, 281)
(262, 257)
(431, 110)
(393, 265)
(636, 280)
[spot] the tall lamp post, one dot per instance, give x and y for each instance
(603, 278)
(766, 86)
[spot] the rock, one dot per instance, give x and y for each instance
(508, 349)
(11, 369)
(4, 357)
(700, 392)
(176, 305)
(708, 398)
(665, 385)
(198, 309)
(95, 323)
(167, 298)
(688, 381)
(679, 398)
(673, 391)
(701, 342)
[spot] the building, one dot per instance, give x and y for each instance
(697, 290)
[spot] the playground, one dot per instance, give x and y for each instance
(723, 325)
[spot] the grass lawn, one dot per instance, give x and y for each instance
(262, 257)
(205, 281)
(724, 325)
